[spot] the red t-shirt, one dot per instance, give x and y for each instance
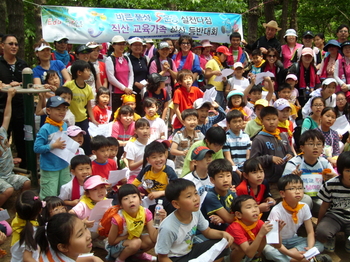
(100, 114)
(244, 189)
(239, 234)
(103, 169)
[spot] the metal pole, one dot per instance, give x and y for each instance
(29, 125)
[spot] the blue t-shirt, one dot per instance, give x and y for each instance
(56, 65)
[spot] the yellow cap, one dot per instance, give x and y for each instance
(128, 98)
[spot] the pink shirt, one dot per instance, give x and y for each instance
(82, 210)
(287, 54)
(122, 72)
(120, 133)
(153, 69)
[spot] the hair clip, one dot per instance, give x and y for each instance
(43, 203)
(36, 198)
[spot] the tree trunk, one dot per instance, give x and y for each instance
(3, 16)
(293, 14)
(253, 17)
(284, 21)
(269, 10)
(37, 16)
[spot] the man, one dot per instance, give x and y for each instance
(238, 54)
(61, 53)
(11, 74)
(342, 33)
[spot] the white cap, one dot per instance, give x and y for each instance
(135, 40)
(60, 37)
(328, 81)
(292, 76)
(237, 64)
(93, 45)
(149, 40)
(118, 39)
(199, 103)
(42, 47)
(290, 32)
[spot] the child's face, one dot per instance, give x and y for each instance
(222, 181)
(58, 210)
(285, 93)
(85, 75)
(312, 148)
(101, 154)
(284, 114)
(57, 113)
(346, 177)
(157, 161)
(54, 80)
(317, 106)
(98, 193)
(202, 114)
(257, 110)
(255, 177)
(329, 90)
(341, 100)
(187, 81)
(238, 71)
(131, 203)
(152, 110)
(293, 193)
(249, 212)
(126, 120)
(214, 146)
(82, 171)
(78, 138)
(113, 151)
(143, 132)
(190, 122)
(79, 241)
(188, 200)
(270, 122)
(255, 96)
(131, 104)
(257, 59)
(103, 100)
(204, 163)
(236, 100)
(67, 97)
(236, 124)
(292, 82)
(328, 118)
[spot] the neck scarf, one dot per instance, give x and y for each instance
(240, 109)
(188, 62)
(261, 63)
(285, 125)
(275, 134)
(302, 83)
(135, 224)
(151, 118)
(65, 58)
(217, 59)
(88, 201)
(54, 123)
(293, 210)
(75, 189)
(231, 60)
(248, 229)
(17, 227)
(325, 64)
(258, 121)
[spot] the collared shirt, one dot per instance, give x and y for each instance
(264, 42)
(237, 146)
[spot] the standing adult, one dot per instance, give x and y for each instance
(238, 54)
(119, 72)
(287, 50)
(11, 73)
(342, 33)
(206, 45)
(328, 63)
(60, 52)
(342, 69)
(150, 48)
(319, 41)
(308, 38)
(100, 67)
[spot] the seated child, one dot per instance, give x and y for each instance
(128, 100)
(158, 128)
(258, 61)
(254, 126)
(80, 168)
(292, 80)
(77, 134)
(237, 81)
(248, 230)
(216, 207)
(176, 232)
(166, 144)
(100, 110)
(235, 101)
(53, 206)
(285, 92)
(113, 149)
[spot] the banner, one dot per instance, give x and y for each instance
(85, 24)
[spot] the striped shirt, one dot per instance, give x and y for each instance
(237, 146)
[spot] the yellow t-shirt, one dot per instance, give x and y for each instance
(213, 65)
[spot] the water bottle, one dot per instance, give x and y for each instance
(157, 216)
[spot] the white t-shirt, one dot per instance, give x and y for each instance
(158, 126)
(202, 184)
(17, 251)
(238, 84)
(135, 151)
(66, 191)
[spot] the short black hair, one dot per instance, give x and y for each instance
(79, 160)
(125, 110)
(189, 112)
(175, 187)
(149, 101)
(320, 98)
(341, 27)
(98, 142)
(328, 108)
(256, 88)
(311, 135)
(257, 52)
(236, 205)
(284, 86)
(219, 165)
(343, 162)
(127, 189)
(101, 91)
(233, 114)
(268, 110)
(251, 165)
(235, 35)
(79, 65)
(215, 135)
(64, 90)
(113, 141)
(4, 37)
(141, 123)
(285, 180)
(154, 147)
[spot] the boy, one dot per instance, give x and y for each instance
(102, 165)
(113, 149)
(254, 126)
(176, 232)
(237, 146)
(8, 180)
(184, 96)
(271, 148)
(258, 61)
(54, 171)
(216, 206)
(292, 80)
(294, 214)
(285, 91)
(248, 230)
(159, 130)
(201, 157)
(81, 102)
(184, 139)
(80, 168)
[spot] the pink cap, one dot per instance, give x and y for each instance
(94, 181)
(292, 76)
(206, 43)
(74, 131)
(307, 51)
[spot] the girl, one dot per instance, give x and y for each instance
(24, 225)
(235, 101)
(331, 147)
(159, 129)
(314, 120)
(135, 150)
(52, 205)
(77, 134)
(64, 238)
(128, 100)
(131, 240)
(342, 108)
(51, 80)
(100, 110)
(319, 43)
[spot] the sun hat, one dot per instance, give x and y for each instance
(235, 93)
(149, 40)
(200, 102)
(237, 64)
(292, 76)
(118, 39)
(206, 43)
(163, 45)
(93, 45)
(198, 153)
(135, 40)
(272, 24)
(331, 43)
(262, 102)
(328, 81)
(94, 181)
(307, 51)
(281, 104)
(197, 45)
(223, 49)
(74, 131)
(156, 78)
(290, 32)
(56, 101)
(42, 47)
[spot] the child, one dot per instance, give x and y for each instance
(23, 245)
(292, 80)
(135, 150)
(314, 120)
(51, 79)
(285, 91)
(80, 167)
(271, 149)
(183, 140)
(54, 171)
(238, 80)
(254, 126)
(184, 96)
(113, 149)
(77, 134)
(131, 240)
(128, 100)
(100, 110)
(255, 185)
(9, 181)
(53, 206)
(155, 177)
(176, 232)
(248, 230)
(156, 88)
(159, 129)
(81, 101)
(216, 206)
(237, 146)
(102, 165)
(331, 149)
(235, 101)
(294, 214)
(258, 61)
(201, 157)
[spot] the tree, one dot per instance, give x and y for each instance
(16, 22)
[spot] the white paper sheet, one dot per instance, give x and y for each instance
(210, 95)
(272, 237)
(312, 252)
(260, 77)
(71, 146)
(103, 129)
(146, 202)
(98, 211)
(341, 125)
(224, 73)
(212, 253)
(4, 215)
(116, 175)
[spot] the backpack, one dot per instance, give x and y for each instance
(164, 94)
(105, 223)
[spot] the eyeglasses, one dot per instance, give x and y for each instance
(62, 42)
(343, 31)
(340, 99)
(318, 105)
(273, 56)
(319, 145)
(123, 43)
(185, 43)
(294, 189)
(12, 43)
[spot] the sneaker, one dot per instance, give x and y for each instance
(323, 258)
(330, 245)
(145, 256)
(347, 245)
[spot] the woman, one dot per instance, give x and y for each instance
(274, 65)
(290, 47)
(140, 69)
(100, 67)
(319, 40)
(342, 70)
(328, 63)
(213, 69)
(119, 72)
(171, 46)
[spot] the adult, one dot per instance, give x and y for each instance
(206, 45)
(60, 53)
(186, 59)
(213, 69)
(342, 69)
(328, 63)
(319, 41)
(198, 50)
(119, 72)
(150, 48)
(274, 65)
(100, 66)
(140, 68)
(238, 54)
(342, 33)
(287, 50)
(171, 46)
(269, 40)
(308, 38)
(11, 74)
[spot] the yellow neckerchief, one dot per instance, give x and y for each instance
(248, 229)
(262, 61)
(275, 134)
(135, 224)
(285, 124)
(88, 201)
(54, 123)
(293, 210)
(240, 109)
(17, 226)
(258, 121)
(217, 59)
(252, 102)
(151, 118)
